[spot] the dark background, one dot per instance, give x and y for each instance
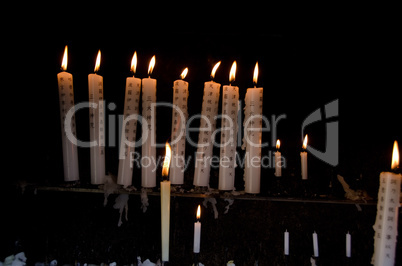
(307, 56)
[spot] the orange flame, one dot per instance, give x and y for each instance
(166, 161)
(198, 212)
(395, 156)
(97, 63)
(151, 65)
(278, 144)
(305, 142)
(134, 63)
(184, 73)
(255, 76)
(232, 74)
(64, 61)
(214, 69)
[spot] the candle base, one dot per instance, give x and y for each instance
(305, 189)
(196, 261)
(279, 189)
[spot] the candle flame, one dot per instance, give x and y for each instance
(198, 212)
(395, 156)
(166, 161)
(278, 144)
(64, 62)
(184, 73)
(97, 63)
(232, 74)
(255, 76)
(151, 65)
(305, 142)
(134, 63)
(214, 69)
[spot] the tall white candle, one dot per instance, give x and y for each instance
(165, 205)
(278, 159)
(227, 164)
(97, 125)
(66, 97)
(315, 244)
(303, 156)
(286, 242)
(148, 173)
(348, 245)
(129, 127)
(386, 224)
(179, 120)
(197, 232)
(210, 102)
(252, 137)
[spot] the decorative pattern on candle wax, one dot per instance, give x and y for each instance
(209, 111)
(230, 103)
(66, 97)
(252, 139)
(178, 142)
(128, 137)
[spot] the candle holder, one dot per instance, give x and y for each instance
(196, 261)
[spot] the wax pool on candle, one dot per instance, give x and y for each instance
(97, 125)
(66, 97)
(179, 120)
(209, 111)
(303, 156)
(386, 223)
(148, 174)
(129, 128)
(252, 137)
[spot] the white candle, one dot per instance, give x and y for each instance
(66, 97)
(348, 245)
(129, 127)
(252, 137)
(197, 232)
(386, 224)
(286, 242)
(303, 156)
(315, 244)
(179, 120)
(210, 102)
(148, 173)
(278, 160)
(165, 205)
(227, 164)
(97, 125)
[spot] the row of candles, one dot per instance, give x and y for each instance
(230, 105)
(388, 197)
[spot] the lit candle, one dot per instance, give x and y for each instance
(129, 127)
(66, 97)
(179, 120)
(148, 173)
(286, 242)
(386, 224)
(303, 156)
(315, 244)
(252, 136)
(348, 245)
(197, 232)
(278, 159)
(230, 103)
(97, 125)
(210, 102)
(165, 204)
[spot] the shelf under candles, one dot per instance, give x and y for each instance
(190, 194)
